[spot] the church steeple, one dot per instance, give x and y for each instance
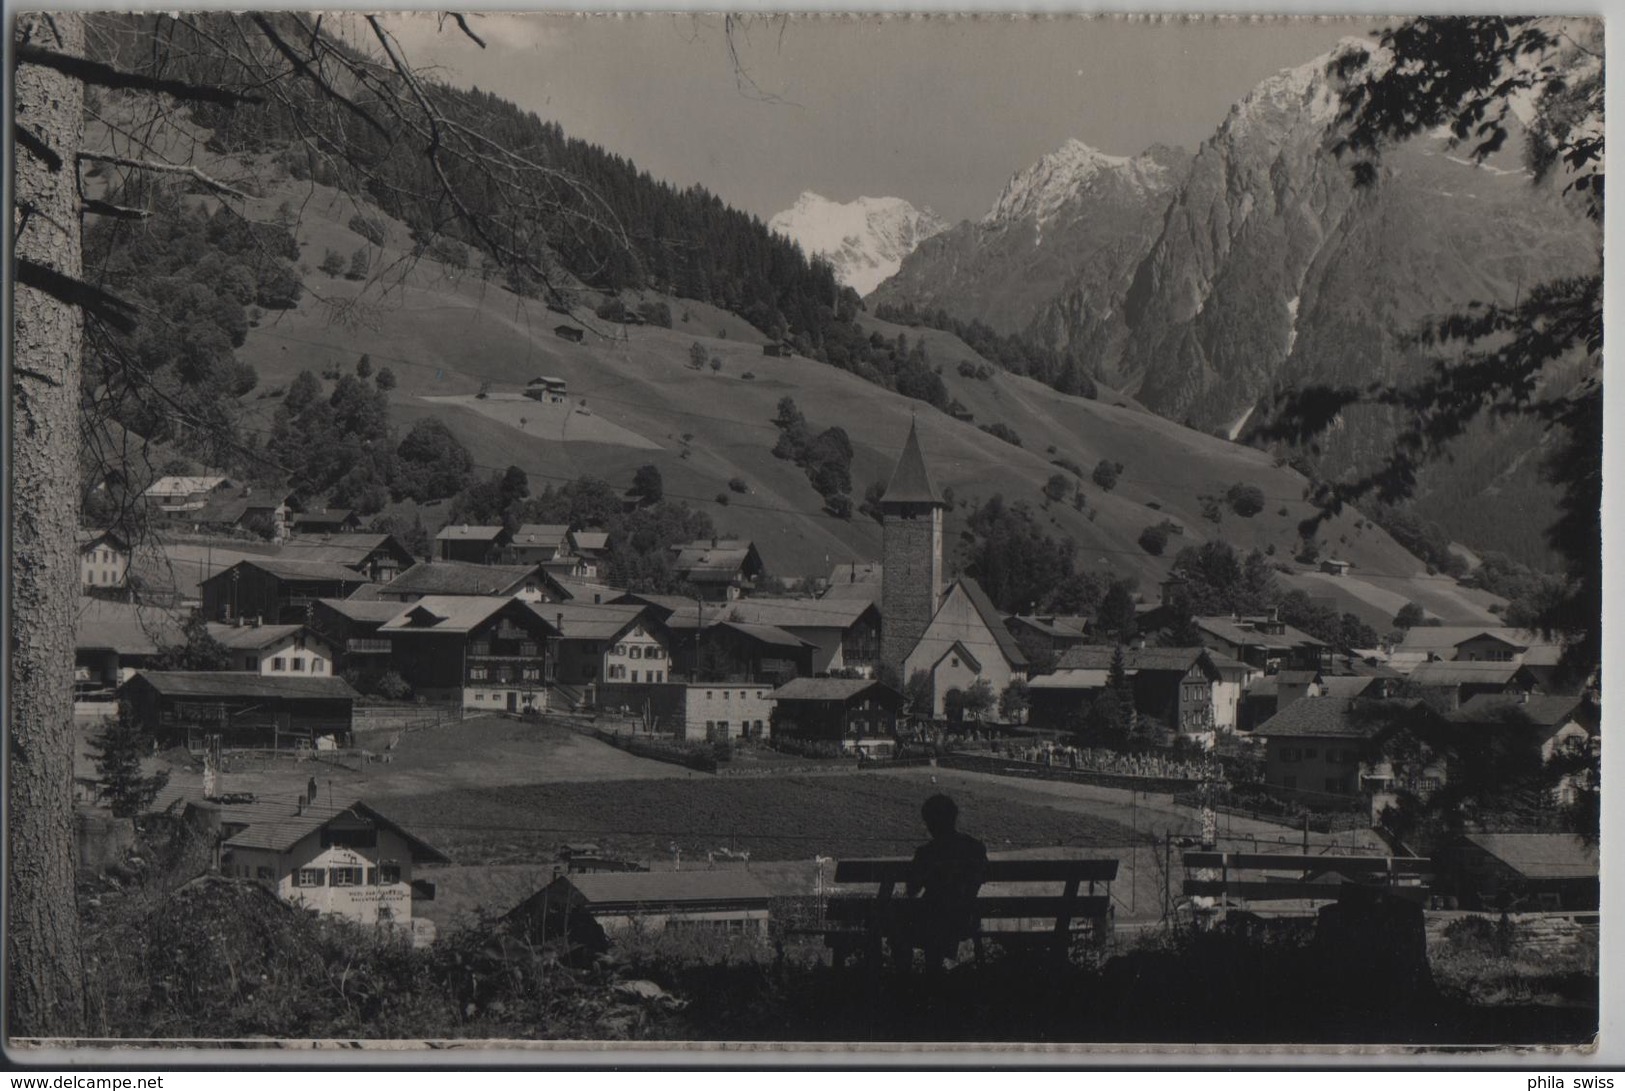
(911, 482)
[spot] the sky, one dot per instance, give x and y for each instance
(940, 111)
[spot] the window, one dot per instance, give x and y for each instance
(298, 664)
(1310, 752)
(657, 676)
(389, 873)
(480, 647)
(346, 876)
(652, 653)
(309, 876)
(635, 652)
(709, 694)
(955, 660)
(279, 664)
(527, 647)
(352, 837)
(1289, 753)
(318, 665)
(634, 676)
(479, 674)
(479, 697)
(532, 674)
(710, 727)
(620, 649)
(266, 873)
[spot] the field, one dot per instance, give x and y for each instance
(552, 422)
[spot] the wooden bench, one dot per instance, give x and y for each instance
(855, 923)
(1317, 878)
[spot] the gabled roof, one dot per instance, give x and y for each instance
(911, 482)
(1081, 678)
(345, 549)
(724, 557)
(245, 684)
(1540, 855)
(1439, 638)
(1452, 672)
(244, 638)
(958, 647)
(124, 627)
(590, 541)
(582, 591)
(659, 888)
(323, 517)
(1053, 627)
(800, 613)
(1099, 657)
(185, 485)
(1239, 631)
(1319, 716)
(540, 535)
(994, 621)
(459, 578)
(1547, 711)
(466, 533)
(766, 634)
(297, 571)
(1346, 686)
(828, 689)
(587, 620)
(448, 614)
(1297, 678)
(279, 826)
(365, 610)
(87, 538)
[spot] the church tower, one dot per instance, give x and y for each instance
(911, 556)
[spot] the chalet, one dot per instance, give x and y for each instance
(570, 333)
(325, 521)
(104, 561)
(113, 640)
(1538, 655)
(606, 643)
(274, 589)
(348, 861)
(845, 633)
(378, 557)
(546, 388)
(592, 548)
(965, 641)
(1053, 634)
(350, 628)
(173, 495)
(1265, 643)
(476, 651)
(245, 708)
(775, 348)
(1180, 688)
(471, 544)
(260, 511)
(274, 649)
(1523, 871)
(724, 901)
(1320, 747)
(534, 543)
(564, 589)
(1448, 684)
(858, 713)
(1334, 567)
(721, 569)
(524, 581)
(739, 651)
(1559, 725)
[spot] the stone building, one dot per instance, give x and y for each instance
(911, 555)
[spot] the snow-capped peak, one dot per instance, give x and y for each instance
(1039, 191)
(865, 240)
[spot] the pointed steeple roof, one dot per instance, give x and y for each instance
(911, 482)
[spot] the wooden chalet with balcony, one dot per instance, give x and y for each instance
(480, 652)
(248, 710)
(275, 590)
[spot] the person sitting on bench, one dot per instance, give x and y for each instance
(946, 873)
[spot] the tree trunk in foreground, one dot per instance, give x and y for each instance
(45, 977)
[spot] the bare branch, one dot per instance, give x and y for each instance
(166, 168)
(104, 75)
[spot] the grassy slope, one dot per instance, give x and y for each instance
(446, 335)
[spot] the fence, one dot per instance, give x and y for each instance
(403, 718)
(1011, 768)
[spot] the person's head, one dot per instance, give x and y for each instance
(940, 814)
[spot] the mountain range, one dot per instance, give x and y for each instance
(1202, 284)
(865, 240)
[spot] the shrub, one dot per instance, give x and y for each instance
(1066, 464)
(722, 498)
(333, 263)
(737, 484)
(1055, 488)
(1245, 500)
(748, 375)
(1002, 431)
(656, 314)
(1105, 475)
(1154, 539)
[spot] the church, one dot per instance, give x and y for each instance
(949, 630)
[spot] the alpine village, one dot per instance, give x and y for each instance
(549, 594)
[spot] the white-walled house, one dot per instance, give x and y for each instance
(274, 649)
(347, 861)
(104, 560)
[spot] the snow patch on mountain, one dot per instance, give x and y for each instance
(1039, 192)
(865, 240)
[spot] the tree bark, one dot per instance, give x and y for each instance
(45, 977)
